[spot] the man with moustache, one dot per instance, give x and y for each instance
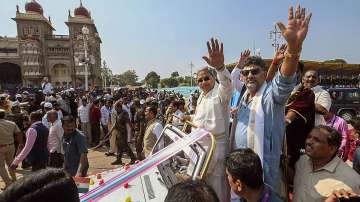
(321, 171)
(260, 120)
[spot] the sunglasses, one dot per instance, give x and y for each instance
(253, 72)
(206, 78)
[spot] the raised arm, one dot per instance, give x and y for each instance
(279, 56)
(294, 34)
(236, 72)
(215, 59)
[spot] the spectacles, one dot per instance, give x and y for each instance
(253, 72)
(206, 78)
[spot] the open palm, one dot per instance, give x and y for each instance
(215, 56)
(297, 28)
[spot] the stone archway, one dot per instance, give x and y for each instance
(10, 76)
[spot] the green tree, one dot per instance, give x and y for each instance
(152, 79)
(129, 77)
(169, 82)
(175, 74)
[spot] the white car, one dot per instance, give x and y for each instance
(176, 156)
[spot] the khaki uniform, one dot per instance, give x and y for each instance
(7, 149)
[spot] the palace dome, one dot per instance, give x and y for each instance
(82, 11)
(34, 6)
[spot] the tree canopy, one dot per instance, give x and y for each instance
(152, 79)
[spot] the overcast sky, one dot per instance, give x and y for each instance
(166, 35)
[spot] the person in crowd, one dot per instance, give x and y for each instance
(75, 148)
(172, 108)
(20, 117)
(299, 113)
(105, 115)
(322, 97)
(56, 133)
(43, 186)
(354, 141)
(105, 112)
(5, 103)
(139, 128)
(321, 171)
(95, 116)
(46, 86)
(57, 108)
(341, 126)
(194, 191)
(266, 101)
(153, 130)
(35, 149)
(353, 136)
(212, 112)
(246, 178)
(9, 130)
(84, 119)
(47, 107)
(121, 131)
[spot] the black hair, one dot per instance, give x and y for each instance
(43, 186)
(255, 60)
(245, 165)
(334, 138)
(67, 118)
(153, 109)
(36, 115)
(191, 191)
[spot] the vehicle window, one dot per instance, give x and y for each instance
(352, 95)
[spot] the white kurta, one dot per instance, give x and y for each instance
(212, 114)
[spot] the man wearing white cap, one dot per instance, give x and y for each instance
(47, 107)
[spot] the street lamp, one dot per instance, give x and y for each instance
(85, 31)
(275, 36)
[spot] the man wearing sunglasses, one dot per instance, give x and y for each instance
(260, 119)
(212, 113)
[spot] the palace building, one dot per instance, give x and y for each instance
(36, 52)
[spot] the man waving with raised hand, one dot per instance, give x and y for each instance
(260, 119)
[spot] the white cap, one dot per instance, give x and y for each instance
(142, 101)
(18, 95)
(48, 105)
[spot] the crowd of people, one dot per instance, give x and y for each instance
(276, 138)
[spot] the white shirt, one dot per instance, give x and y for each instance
(45, 122)
(322, 97)
(83, 113)
(55, 134)
(47, 88)
(105, 115)
(235, 77)
(212, 109)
